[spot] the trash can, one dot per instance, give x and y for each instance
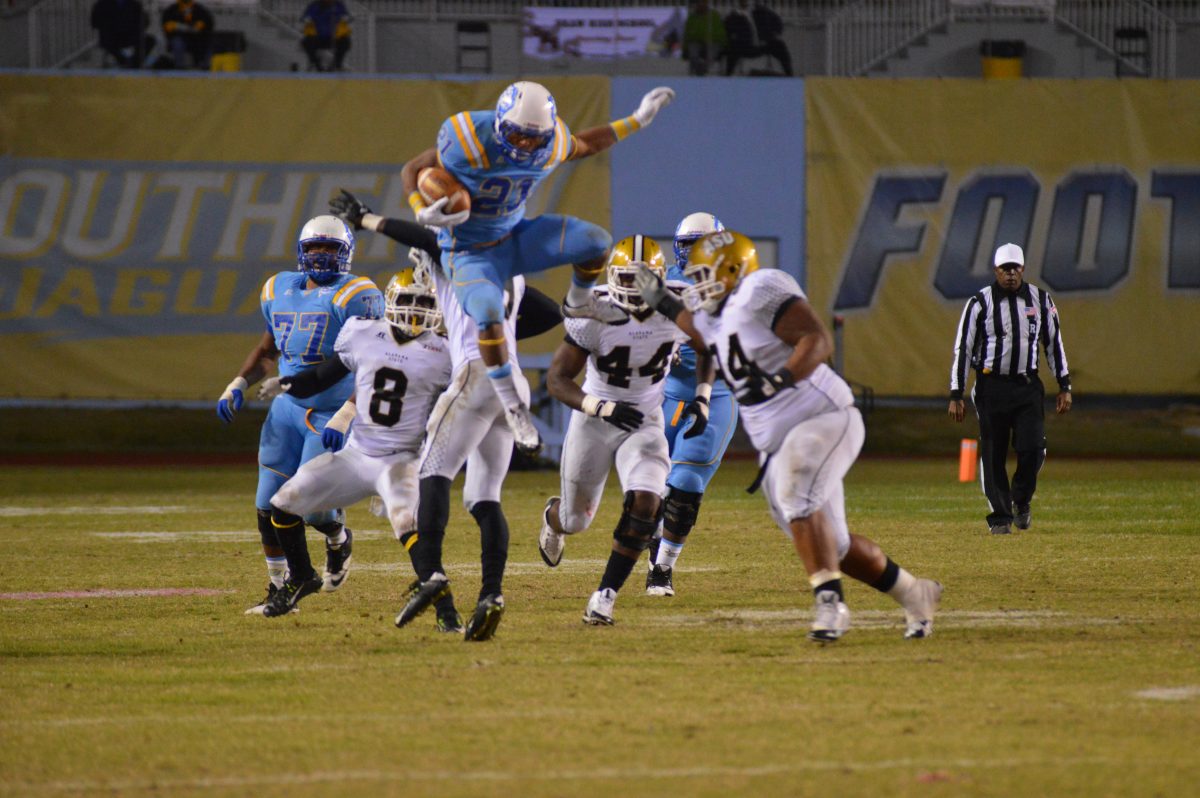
(1002, 58)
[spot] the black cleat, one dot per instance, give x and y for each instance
(337, 563)
(1001, 529)
(1024, 516)
(449, 621)
(658, 581)
(257, 609)
(287, 597)
(420, 596)
(486, 618)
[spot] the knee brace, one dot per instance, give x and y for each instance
(632, 532)
(266, 531)
(680, 510)
(283, 520)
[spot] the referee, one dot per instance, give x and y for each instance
(998, 337)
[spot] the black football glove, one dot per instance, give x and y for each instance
(697, 409)
(349, 209)
(622, 415)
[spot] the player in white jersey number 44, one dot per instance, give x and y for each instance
(618, 420)
(400, 366)
(771, 348)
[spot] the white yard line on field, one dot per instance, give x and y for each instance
(148, 509)
(213, 536)
(1170, 693)
(582, 775)
(878, 619)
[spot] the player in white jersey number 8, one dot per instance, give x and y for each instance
(771, 348)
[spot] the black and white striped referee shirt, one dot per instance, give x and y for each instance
(999, 333)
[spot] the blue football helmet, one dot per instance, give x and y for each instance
(320, 266)
(526, 116)
(693, 227)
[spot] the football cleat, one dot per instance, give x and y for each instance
(525, 434)
(832, 618)
(337, 563)
(486, 618)
(287, 597)
(550, 543)
(1024, 516)
(595, 308)
(421, 595)
(1001, 529)
(257, 609)
(449, 621)
(925, 597)
(599, 610)
(658, 581)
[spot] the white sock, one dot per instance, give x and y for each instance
(668, 553)
(338, 539)
(904, 583)
(277, 570)
(504, 384)
(578, 294)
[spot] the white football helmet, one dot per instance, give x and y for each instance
(525, 119)
(320, 266)
(693, 227)
(410, 303)
(627, 255)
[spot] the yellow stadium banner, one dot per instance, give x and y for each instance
(912, 184)
(140, 215)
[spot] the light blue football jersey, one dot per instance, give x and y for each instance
(306, 321)
(467, 148)
(681, 382)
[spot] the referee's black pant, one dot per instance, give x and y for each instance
(1010, 409)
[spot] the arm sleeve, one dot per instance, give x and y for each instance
(536, 314)
(312, 381)
(1056, 355)
(964, 344)
(411, 234)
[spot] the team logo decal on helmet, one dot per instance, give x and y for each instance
(693, 227)
(325, 249)
(627, 255)
(410, 304)
(526, 116)
(716, 265)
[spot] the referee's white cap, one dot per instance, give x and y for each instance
(1009, 253)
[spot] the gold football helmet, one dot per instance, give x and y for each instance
(410, 304)
(716, 265)
(623, 263)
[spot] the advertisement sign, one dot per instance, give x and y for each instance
(603, 32)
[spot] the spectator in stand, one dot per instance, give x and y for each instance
(703, 38)
(770, 34)
(188, 27)
(742, 40)
(122, 27)
(326, 27)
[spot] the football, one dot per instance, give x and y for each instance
(434, 183)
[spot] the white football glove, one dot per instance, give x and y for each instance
(654, 101)
(271, 387)
(432, 215)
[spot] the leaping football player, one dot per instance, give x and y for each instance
(304, 312)
(618, 419)
(771, 350)
(400, 367)
(500, 157)
(696, 454)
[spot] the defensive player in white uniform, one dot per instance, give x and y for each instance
(771, 349)
(617, 419)
(467, 427)
(400, 366)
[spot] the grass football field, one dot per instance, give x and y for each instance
(1066, 659)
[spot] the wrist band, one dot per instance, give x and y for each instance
(625, 127)
(590, 404)
(704, 392)
(416, 202)
(371, 221)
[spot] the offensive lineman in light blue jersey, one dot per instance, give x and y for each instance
(304, 311)
(694, 460)
(500, 156)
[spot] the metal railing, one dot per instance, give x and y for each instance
(285, 15)
(793, 11)
(59, 32)
(1137, 35)
(869, 32)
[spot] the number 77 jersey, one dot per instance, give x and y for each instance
(628, 360)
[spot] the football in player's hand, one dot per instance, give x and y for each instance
(434, 183)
